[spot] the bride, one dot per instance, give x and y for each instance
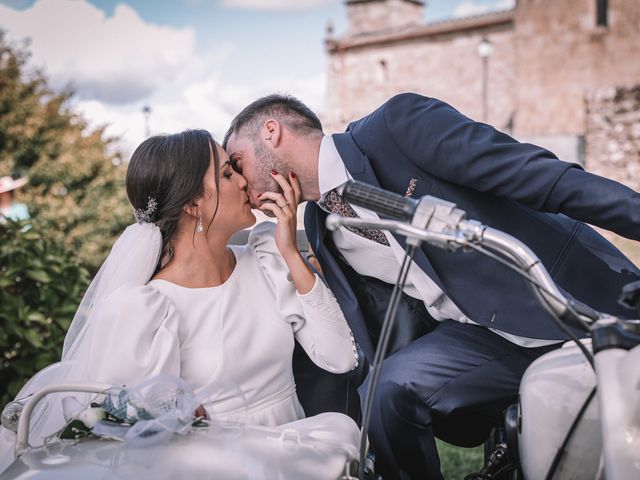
(173, 298)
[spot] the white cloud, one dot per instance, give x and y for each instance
(277, 5)
(122, 63)
(470, 8)
(210, 104)
(116, 59)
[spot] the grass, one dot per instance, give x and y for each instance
(457, 462)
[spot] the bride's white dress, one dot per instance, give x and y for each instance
(238, 337)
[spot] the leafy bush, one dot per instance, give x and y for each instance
(76, 173)
(40, 287)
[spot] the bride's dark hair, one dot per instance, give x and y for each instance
(170, 170)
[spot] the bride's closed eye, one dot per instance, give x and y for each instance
(227, 169)
(235, 164)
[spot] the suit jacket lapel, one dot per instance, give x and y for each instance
(359, 167)
(356, 162)
(316, 231)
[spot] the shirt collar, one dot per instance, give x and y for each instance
(331, 170)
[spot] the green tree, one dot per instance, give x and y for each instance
(76, 175)
(41, 284)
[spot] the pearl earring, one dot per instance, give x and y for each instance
(200, 227)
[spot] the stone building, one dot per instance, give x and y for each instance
(564, 74)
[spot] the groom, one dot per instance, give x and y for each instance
(469, 326)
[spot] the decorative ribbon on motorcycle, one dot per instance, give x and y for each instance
(144, 415)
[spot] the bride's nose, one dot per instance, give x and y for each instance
(242, 182)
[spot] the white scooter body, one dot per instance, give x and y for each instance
(552, 391)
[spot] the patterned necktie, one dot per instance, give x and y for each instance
(335, 204)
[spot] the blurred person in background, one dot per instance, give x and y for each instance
(9, 208)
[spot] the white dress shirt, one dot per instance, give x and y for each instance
(373, 259)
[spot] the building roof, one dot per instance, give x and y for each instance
(385, 37)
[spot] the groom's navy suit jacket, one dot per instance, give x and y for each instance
(518, 188)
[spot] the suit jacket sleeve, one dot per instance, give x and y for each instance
(445, 144)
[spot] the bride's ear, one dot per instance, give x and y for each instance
(191, 208)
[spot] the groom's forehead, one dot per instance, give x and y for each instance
(239, 145)
(234, 143)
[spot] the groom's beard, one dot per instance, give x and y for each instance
(268, 161)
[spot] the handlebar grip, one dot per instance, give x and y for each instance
(383, 202)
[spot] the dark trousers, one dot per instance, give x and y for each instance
(451, 383)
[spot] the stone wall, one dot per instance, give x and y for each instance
(379, 15)
(562, 54)
(613, 145)
(546, 55)
(613, 134)
(445, 66)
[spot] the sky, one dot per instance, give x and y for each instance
(194, 63)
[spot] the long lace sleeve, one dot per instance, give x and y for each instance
(316, 319)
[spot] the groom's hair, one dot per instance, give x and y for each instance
(288, 110)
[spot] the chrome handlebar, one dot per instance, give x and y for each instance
(464, 233)
(22, 434)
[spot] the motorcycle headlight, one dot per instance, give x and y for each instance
(10, 416)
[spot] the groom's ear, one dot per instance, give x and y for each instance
(272, 132)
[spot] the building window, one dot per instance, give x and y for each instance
(601, 13)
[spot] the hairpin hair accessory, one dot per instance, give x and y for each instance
(146, 215)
